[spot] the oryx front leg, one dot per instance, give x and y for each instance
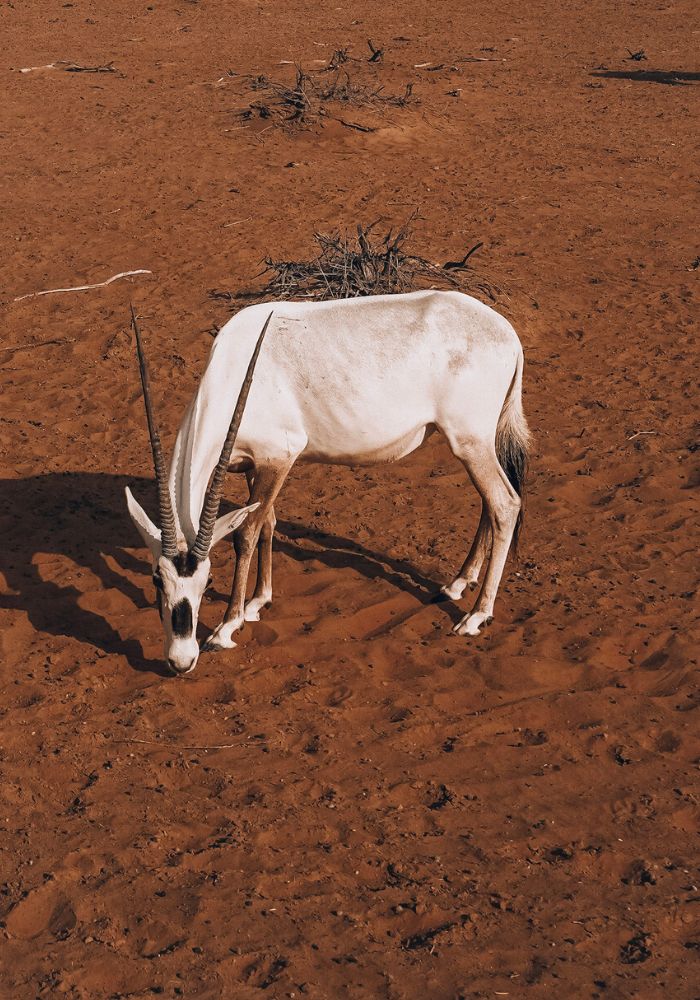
(502, 505)
(267, 483)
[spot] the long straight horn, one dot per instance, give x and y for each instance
(210, 507)
(167, 518)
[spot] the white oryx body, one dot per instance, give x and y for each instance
(357, 381)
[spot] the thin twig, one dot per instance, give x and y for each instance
(175, 746)
(377, 54)
(474, 59)
(236, 222)
(31, 69)
(82, 288)
(639, 434)
(40, 343)
(70, 67)
(356, 126)
(458, 265)
(107, 68)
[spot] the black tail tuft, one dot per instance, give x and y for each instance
(512, 442)
(513, 457)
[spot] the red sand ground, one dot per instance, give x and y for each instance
(400, 813)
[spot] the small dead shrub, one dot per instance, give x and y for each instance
(346, 267)
(288, 104)
(308, 101)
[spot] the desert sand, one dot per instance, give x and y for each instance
(354, 802)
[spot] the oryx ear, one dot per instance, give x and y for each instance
(144, 525)
(229, 522)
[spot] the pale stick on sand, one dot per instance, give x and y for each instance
(82, 288)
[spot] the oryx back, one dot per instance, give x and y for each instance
(353, 381)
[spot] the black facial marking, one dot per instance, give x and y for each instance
(185, 564)
(182, 619)
(158, 584)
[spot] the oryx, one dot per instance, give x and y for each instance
(352, 381)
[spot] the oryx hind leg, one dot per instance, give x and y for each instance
(502, 506)
(468, 576)
(266, 484)
(262, 596)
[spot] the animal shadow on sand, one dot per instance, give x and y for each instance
(81, 518)
(672, 78)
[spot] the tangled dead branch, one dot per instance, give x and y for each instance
(339, 57)
(347, 267)
(307, 101)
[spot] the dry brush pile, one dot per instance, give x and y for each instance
(346, 267)
(310, 99)
(365, 263)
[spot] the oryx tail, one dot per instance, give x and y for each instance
(513, 441)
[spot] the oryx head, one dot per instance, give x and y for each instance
(181, 572)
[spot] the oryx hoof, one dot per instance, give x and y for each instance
(254, 607)
(472, 624)
(450, 592)
(212, 647)
(222, 637)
